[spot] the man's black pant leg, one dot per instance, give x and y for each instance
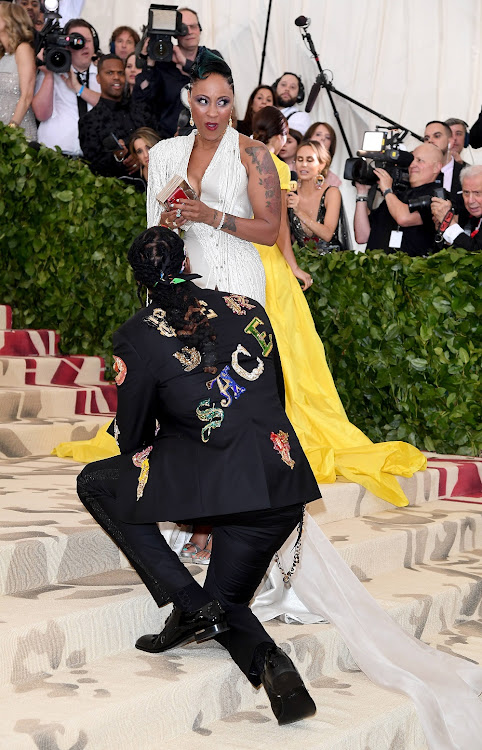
(243, 548)
(143, 544)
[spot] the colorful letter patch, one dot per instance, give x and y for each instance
(158, 321)
(236, 303)
(210, 414)
(252, 328)
(141, 460)
(254, 374)
(224, 382)
(188, 357)
(120, 368)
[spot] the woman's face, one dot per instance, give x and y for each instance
(322, 135)
(307, 164)
(131, 70)
(264, 98)
(124, 45)
(289, 149)
(141, 150)
(211, 101)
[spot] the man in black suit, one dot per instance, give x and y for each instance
(204, 437)
(467, 233)
(439, 134)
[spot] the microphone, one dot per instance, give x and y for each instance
(303, 21)
(315, 90)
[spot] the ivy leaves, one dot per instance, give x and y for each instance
(403, 338)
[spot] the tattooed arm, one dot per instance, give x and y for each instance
(264, 194)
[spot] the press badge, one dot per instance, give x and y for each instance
(395, 239)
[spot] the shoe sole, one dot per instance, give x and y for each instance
(203, 635)
(296, 706)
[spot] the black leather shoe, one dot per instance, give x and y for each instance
(185, 627)
(286, 691)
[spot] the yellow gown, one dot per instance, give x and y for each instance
(332, 444)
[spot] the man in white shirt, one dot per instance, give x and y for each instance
(467, 234)
(289, 91)
(61, 98)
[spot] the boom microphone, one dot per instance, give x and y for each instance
(303, 21)
(315, 90)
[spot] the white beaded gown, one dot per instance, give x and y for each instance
(10, 94)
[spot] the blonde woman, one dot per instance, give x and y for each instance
(17, 69)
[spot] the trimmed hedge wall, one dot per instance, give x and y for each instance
(402, 335)
(403, 338)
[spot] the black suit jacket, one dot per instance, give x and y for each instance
(456, 187)
(224, 443)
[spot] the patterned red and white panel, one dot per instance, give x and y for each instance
(460, 477)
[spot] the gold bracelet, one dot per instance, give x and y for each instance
(13, 124)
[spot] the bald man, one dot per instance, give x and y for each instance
(392, 226)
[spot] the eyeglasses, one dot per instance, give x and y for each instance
(192, 26)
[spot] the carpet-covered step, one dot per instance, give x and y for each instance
(5, 317)
(43, 402)
(28, 343)
(97, 616)
(196, 697)
(38, 437)
(68, 370)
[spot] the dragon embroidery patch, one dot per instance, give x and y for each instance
(120, 368)
(282, 445)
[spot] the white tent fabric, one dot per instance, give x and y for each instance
(409, 60)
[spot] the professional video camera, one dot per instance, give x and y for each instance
(57, 46)
(380, 150)
(425, 201)
(164, 22)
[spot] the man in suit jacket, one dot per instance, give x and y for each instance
(465, 234)
(439, 134)
(203, 437)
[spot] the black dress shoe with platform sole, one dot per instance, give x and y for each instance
(185, 627)
(289, 698)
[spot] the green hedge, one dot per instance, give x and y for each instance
(402, 335)
(64, 236)
(403, 339)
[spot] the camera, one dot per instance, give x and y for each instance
(165, 22)
(56, 44)
(425, 201)
(380, 149)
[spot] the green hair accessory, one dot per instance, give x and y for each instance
(178, 281)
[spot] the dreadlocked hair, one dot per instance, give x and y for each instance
(157, 256)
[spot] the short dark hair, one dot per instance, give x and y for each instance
(120, 30)
(267, 123)
(443, 124)
(104, 58)
(456, 121)
(206, 63)
(248, 117)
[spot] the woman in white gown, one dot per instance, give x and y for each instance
(234, 184)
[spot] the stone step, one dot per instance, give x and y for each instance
(47, 401)
(38, 437)
(103, 614)
(68, 370)
(195, 697)
(5, 317)
(28, 343)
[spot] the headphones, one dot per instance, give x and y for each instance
(467, 135)
(301, 88)
(87, 25)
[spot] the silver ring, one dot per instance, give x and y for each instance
(178, 213)
(174, 224)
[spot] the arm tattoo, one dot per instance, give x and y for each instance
(268, 177)
(229, 223)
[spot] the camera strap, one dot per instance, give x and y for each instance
(446, 220)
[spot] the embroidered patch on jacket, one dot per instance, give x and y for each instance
(188, 357)
(254, 374)
(141, 460)
(116, 432)
(236, 302)
(120, 368)
(158, 321)
(213, 415)
(282, 445)
(266, 344)
(224, 382)
(207, 310)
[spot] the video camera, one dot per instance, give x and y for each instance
(380, 150)
(56, 44)
(164, 22)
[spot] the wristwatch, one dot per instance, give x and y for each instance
(385, 192)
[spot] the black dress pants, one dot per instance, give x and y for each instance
(243, 546)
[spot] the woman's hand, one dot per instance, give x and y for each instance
(197, 211)
(293, 201)
(305, 278)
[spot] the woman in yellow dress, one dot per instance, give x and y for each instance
(333, 445)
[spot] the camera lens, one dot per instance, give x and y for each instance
(58, 60)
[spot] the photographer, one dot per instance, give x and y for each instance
(160, 83)
(113, 114)
(62, 98)
(392, 226)
(467, 233)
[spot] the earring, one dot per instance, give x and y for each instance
(230, 123)
(191, 121)
(319, 180)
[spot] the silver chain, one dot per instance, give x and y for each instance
(296, 556)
